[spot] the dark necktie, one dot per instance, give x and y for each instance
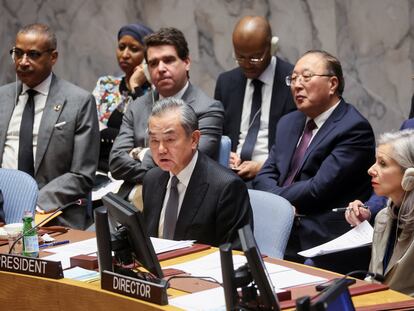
(171, 210)
(254, 123)
(26, 159)
(300, 152)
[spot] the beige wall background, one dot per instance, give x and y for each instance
(372, 38)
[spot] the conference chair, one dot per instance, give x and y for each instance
(273, 219)
(224, 151)
(20, 193)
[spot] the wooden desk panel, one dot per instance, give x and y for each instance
(22, 292)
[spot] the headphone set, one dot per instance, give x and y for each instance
(407, 182)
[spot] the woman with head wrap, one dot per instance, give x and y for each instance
(114, 93)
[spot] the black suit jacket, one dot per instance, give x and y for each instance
(230, 89)
(332, 173)
(216, 204)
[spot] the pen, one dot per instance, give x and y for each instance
(53, 244)
(343, 209)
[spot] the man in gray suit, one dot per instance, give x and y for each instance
(168, 61)
(48, 126)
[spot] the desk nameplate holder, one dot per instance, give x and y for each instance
(31, 266)
(135, 288)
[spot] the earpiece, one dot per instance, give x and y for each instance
(407, 182)
(13, 56)
(273, 45)
(146, 71)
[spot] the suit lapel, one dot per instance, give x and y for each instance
(326, 128)
(154, 210)
(289, 142)
(193, 198)
(54, 106)
(6, 111)
(235, 111)
(276, 103)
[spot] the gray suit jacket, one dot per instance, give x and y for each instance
(133, 132)
(399, 273)
(67, 155)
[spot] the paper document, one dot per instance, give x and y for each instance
(292, 278)
(164, 245)
(211, 299)
(359, 236)
(210, 266)
(81, 274)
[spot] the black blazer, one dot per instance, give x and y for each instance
(230, 89)
(216, 204)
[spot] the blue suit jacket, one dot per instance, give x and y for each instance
(333, 171)
(230, 89)
(375, 202)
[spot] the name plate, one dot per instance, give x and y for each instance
(31, 266)
(136, 288)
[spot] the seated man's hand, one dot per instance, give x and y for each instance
(356, 213)
(249, 169)
(234, 160)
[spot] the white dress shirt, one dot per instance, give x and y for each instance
(11, 146)
(184, 179)
(261, 149)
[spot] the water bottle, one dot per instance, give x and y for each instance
(30, 241)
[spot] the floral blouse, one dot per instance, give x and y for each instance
(111, 93)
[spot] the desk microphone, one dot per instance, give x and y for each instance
(376, 276)
(79, 202)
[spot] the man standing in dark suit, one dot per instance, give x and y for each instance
(189, 196)
(48, 126)
(254, 95)
(168, 60)
(321, 153)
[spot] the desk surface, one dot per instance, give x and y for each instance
(34, 293)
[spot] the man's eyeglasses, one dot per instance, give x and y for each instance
(306, 77)
(18, 54)
(251, 60)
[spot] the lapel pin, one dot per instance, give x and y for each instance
(57, 107)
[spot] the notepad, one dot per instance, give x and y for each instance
(359, 236)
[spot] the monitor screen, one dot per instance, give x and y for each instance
(229, 279)
(124, 221)
(335, 298)
(258, 270)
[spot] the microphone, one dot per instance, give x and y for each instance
(376, 276)
(79, 202)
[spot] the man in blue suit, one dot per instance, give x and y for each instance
(325, 165)
(253, 45)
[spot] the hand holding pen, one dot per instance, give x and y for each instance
(357, 212)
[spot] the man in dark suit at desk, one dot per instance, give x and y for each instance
(48, 126)
(254, 95)
(169, 62)
(321, 153)
(189, 196)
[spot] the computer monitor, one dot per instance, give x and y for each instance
(128, 235)
(335, 298)
(231, 295)
(267, 295)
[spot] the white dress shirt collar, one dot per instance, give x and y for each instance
(42, 88)
(180, 93)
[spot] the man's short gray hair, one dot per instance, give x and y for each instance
(188, 118)
(42, 29)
